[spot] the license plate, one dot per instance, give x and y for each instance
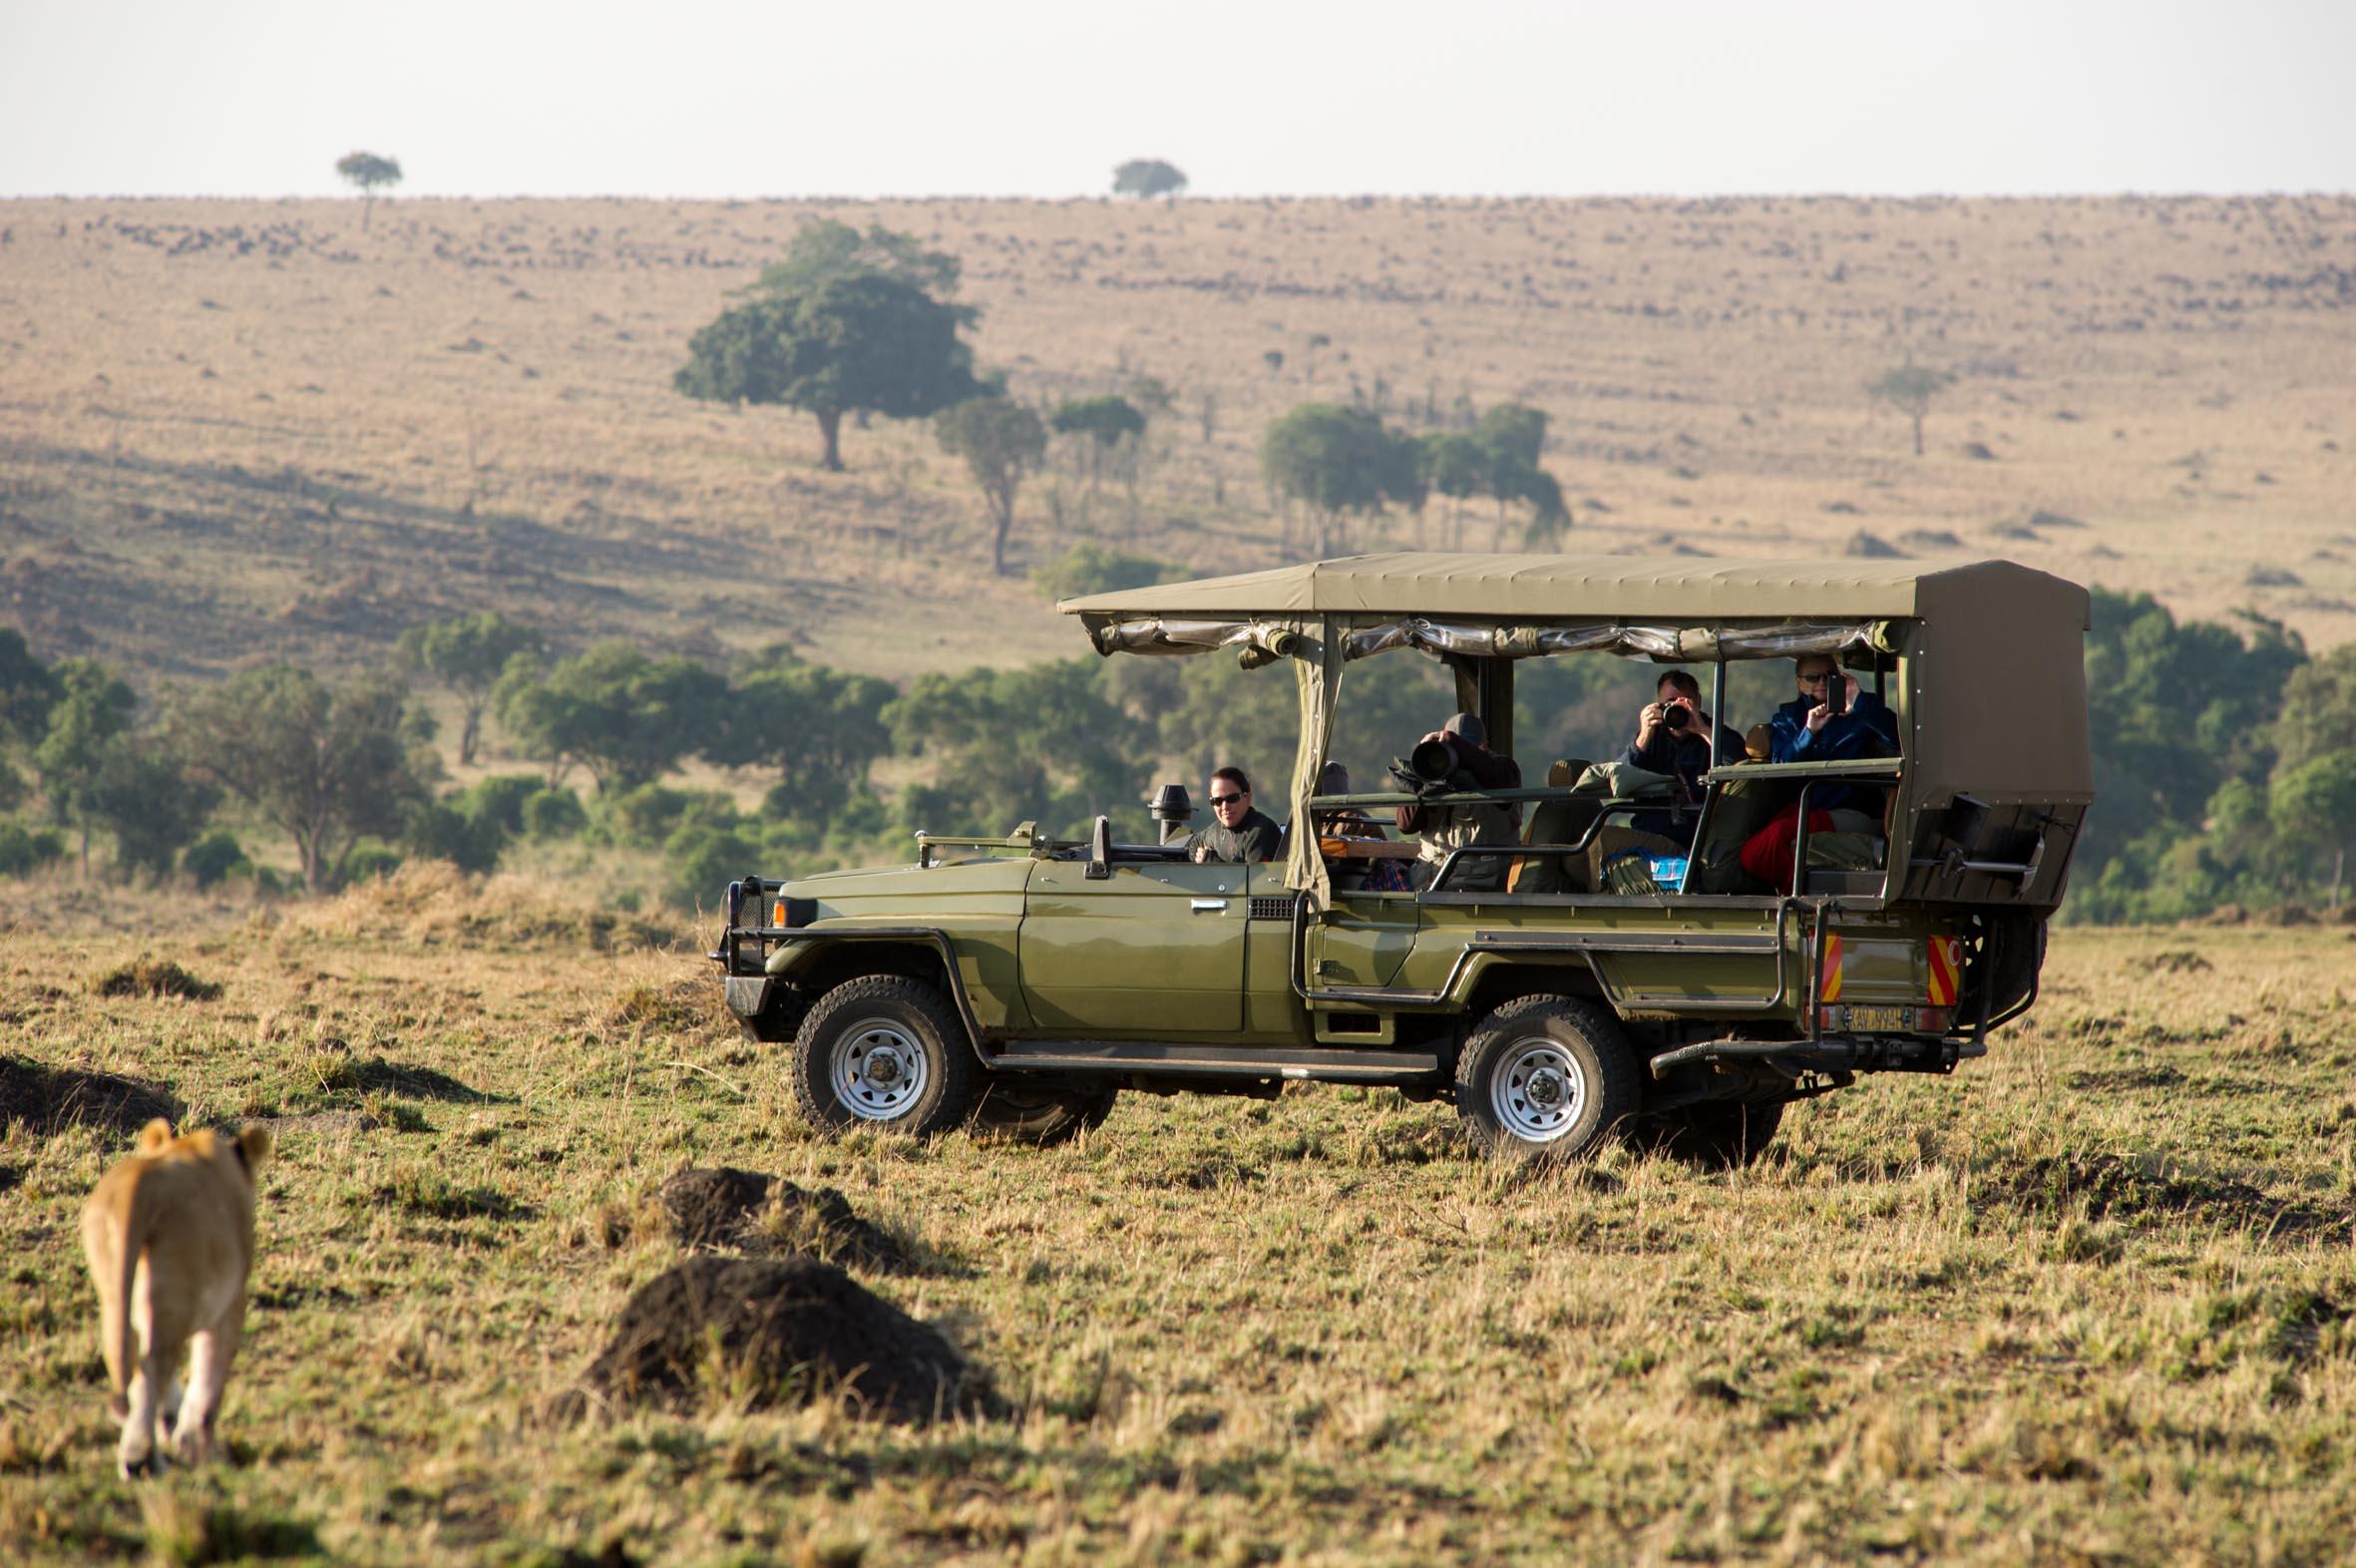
(1879, 1021)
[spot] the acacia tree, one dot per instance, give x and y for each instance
(466, 655)
(1001, 441)
(1148, 178)
(818, 729)
(1104, 422)
(828, 250)
(324, 764)
(367, 174)
(1338, 461)
(624, 716)
(1910, 388)
(93, 707)
(2317, 800)
(858, 341)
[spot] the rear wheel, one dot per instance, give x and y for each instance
(1717, 1136)
(1012, 1111)
(1545, 1077)
(883, 1053)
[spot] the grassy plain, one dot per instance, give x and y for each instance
(2090, 1301)
(238, 430)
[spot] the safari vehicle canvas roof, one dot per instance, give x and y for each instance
(1674, 588)
(1992, 651)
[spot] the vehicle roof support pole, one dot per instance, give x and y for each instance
(1496, 704)
(1716, 706)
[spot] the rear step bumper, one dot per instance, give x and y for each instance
(1854, 1053)
(1162, 1059)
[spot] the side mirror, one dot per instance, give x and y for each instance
(1100, 850)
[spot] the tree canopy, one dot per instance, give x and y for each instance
(1336, 460)
(323, 764)
(467, 653)
(1910, 388)
(1146, 178)
(860, 342)
(818, 729)
(368, 173)
(1001, 441)
(621, 714)
(828, 250)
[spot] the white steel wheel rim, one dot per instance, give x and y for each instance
(1537, 1091)
(879, 1071)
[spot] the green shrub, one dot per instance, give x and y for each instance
(446, 830)
(651, 814)
(22, 848)
(554, 814)
(500, 799)
(215, 857)
(700, 860)
(1097, 569)
(367, 859)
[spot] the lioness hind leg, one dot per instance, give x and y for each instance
(135, 1454)
(209, 1371)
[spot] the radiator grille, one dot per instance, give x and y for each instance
(1269, 906)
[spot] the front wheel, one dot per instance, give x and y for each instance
(883, 1053)
(1545, 1077)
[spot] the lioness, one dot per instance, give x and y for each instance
(170, 1235)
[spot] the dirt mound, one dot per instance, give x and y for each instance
(153, 977)
(774, 1332)
(50, 1098)
(744, 1211)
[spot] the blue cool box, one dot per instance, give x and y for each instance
(1669, 870)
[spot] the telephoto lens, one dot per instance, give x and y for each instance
(1677, 715)
(1433, 760)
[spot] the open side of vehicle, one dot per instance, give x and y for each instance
(1015, 984)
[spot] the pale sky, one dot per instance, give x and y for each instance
(700, 98)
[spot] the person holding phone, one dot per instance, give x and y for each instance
(1833, 719)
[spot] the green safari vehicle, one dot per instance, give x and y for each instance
(1015, 984)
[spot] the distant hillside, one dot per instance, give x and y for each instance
(234, 430)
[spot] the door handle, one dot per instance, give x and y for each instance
(1214, 904)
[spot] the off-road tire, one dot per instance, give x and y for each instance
(1012, 1111)
(1716, 1135)
(841, 1082)
(1545, 1078)
(782, 1019)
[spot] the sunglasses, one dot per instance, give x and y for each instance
(1817, 679)
(1228, 800)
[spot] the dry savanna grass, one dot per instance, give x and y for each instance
(242, 429)
(2088, 1301)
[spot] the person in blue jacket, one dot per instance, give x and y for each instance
(1805, 729)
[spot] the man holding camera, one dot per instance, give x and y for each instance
(1456, 757)
(1670, 734)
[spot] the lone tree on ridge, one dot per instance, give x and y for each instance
(1909, 389)
(366, 173)
(1146, 178)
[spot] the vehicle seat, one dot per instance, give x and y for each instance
(1553, 822)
